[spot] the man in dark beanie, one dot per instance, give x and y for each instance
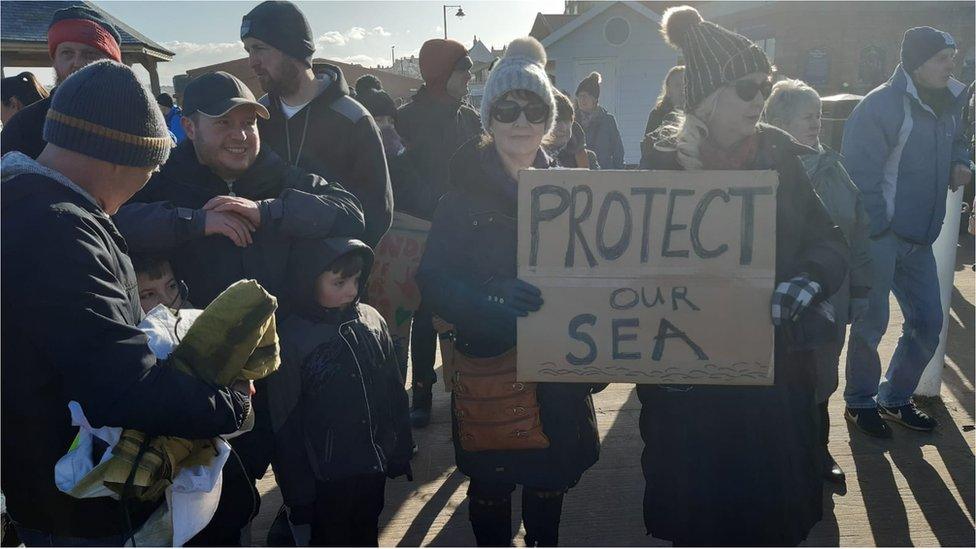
(600, 127)
(70, 286)
(76, 36)
(903, 150)
(433, 126)
(222, 209)
(314, 123)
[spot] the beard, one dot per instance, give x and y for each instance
(283, 81)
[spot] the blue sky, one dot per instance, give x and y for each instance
(202, 33)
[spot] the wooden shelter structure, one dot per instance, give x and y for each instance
(23, 37)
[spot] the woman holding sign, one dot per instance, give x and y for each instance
(541, 436)
(727, 465)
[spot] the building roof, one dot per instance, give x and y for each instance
(578, 21)
(26, 23)
(548, 23)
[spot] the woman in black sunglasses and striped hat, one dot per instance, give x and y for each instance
(731, 465)
(541, 436)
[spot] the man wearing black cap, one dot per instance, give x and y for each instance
(313, 122)
(68, 282)
(76, 37)
(222, 209)
(902, 150)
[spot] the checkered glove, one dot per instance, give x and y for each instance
(792, 297)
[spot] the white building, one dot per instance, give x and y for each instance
(621, 41)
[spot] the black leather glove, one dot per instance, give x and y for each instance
(513, 296)
(396, 469)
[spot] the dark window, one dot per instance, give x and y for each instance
(617, 31)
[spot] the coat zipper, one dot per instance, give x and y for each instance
(362, 383)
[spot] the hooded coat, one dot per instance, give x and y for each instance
(71, 307)
(603, 137)
(742, 465)
(338, 404)
(433, 129)
(900, 153)
(473, 239)
(335, 137)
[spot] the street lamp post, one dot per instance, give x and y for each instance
(460, 13)
(392, 58)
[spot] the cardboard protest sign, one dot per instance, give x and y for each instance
(648, 277)
(392, 289)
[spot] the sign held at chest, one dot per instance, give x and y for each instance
(649, 277)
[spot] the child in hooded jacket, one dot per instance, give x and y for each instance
(338, 404)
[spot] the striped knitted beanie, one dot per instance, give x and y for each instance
(522, 68)
(714, 56)
(102, 111)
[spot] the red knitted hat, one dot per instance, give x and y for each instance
(437, 60)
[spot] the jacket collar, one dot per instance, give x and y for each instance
(335, 87)
(902, 81)
(262, 180)
(17, 163)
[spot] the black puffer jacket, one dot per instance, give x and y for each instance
(166, 217)
(432, 131)
(742, 465)
(339, 407)
(335, 137)
(473, 239)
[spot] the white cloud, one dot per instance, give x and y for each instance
(338, 38)
(331, 38)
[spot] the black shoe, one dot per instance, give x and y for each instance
(832, 472)
(420, 410)
(869, 421)
(909, 416)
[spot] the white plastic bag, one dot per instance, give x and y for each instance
(191, 500)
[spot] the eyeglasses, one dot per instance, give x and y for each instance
(508, 111)
(747, 89)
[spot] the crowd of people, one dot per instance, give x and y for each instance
(116, 202)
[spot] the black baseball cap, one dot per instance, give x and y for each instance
(216, 93)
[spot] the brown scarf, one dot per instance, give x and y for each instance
(740, 156)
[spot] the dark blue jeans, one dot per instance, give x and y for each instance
(908, 271)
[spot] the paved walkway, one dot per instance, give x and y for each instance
(917, 489)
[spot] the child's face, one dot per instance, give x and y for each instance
(332, 290)
(154, 291)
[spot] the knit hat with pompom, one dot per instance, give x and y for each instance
(522, 68)
(714, 56)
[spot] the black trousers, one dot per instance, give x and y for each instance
(824, 430)
(423, 347)
(347, 511)
(490, 513)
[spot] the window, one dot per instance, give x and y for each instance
(617, 31)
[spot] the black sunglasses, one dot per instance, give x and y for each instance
(508, 111)
(747, 89)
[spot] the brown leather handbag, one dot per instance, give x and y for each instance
(494, 411)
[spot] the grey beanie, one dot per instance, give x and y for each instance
(104, 112)
(522, 68)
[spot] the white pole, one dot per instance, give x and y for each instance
(944, 249)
